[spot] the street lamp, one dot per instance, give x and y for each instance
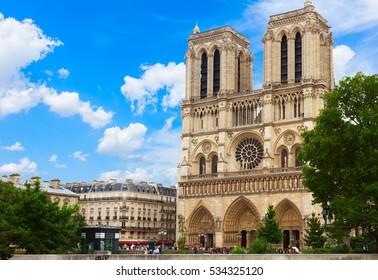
(201, 236)
(162, 232)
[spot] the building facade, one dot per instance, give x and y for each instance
(143, 211)
(239, 145)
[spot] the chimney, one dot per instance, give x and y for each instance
(34, 178)
(15, 178)
(55, 183)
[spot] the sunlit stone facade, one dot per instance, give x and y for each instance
(239, 145)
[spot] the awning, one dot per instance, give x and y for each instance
(129, 243)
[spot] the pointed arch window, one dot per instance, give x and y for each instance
(298, 163)
(239, 74)
(297, 107)
(202, 167)
(284, 60)
(284, 158)
(204, 76)
(214, 164)
(216, 73)
(298, 57)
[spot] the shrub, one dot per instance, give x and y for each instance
(259, 246)
(238, 250)
(362, 244)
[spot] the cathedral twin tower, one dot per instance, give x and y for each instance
(239, 145)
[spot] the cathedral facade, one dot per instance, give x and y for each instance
(239, 145)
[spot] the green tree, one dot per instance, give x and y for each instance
(182, 232)
(270, 229)
(314, 233)
(341, 155)
(9, 198)
(40, 225)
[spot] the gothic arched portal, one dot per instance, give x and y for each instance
(290, 219)
(201, 227)
(241, 222)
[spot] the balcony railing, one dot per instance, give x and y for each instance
(243, 172)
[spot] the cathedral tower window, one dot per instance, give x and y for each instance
(298, 163)
(284, 158)
(216, 73)
(297, 107)
(202, 167)
(239, 74)
(298, 57)
(204, 76)
(214, 165)
(284, 60)
(283, 108)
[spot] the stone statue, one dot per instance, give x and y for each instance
(327, 213)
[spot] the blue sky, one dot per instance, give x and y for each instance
(91, 89)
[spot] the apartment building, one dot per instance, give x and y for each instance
(144, 211)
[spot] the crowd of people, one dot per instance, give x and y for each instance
(197, 249)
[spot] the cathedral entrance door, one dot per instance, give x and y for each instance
(209, 240)
(243, 238)
(286, 241)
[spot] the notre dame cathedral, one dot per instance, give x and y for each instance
(239, 145)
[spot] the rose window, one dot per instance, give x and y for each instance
(249, 153)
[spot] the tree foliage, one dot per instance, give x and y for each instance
(270, 229)
(341, 154)
(314, 233)
(29, 219)
(182, 232)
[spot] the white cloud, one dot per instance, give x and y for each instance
(49, 73)
(80, 156)
(15, 147)
(143, 91)
(342, 56)
(140, 174)
(116, 174)
(122, 142)
(24, 166)
(53, 158)
(63, 73)
(95, 116)
(361, 15)
(169, 176)
(68, 104)
(21, 44)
